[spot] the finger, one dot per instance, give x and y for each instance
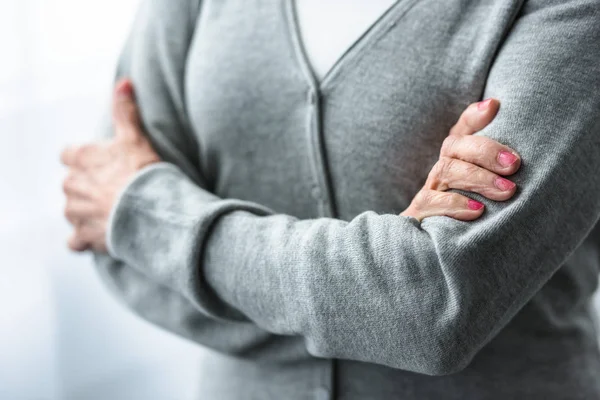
(92, 232)
(78, 210)
(75, 185)
(72, 155)
(75, 243)
(482, 151)
(67, 156)
(429, 203)
(451, 173)
(476, 117)
(126, 115)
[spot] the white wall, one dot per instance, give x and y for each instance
(62, 336)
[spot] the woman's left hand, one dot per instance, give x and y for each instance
(99, 171)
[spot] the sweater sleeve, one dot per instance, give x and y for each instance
(383, 288)
(153, 57)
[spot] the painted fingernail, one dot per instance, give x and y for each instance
(484, 104)
(475, 205)
(504, 184)
(124, 90)
(506, 158)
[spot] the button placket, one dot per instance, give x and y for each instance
(312, 98)
(319, 190)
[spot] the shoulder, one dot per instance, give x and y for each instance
(171, 15)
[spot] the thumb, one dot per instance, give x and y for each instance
(476, 117)
(126, 115)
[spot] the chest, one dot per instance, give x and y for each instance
(327, 29)
(362, 136)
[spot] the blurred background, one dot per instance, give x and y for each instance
(62, 336)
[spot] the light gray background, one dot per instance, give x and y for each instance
(61, 334)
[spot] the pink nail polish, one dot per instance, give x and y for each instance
(506, 158)
(484, 104)
(125, 89)
(475, 205)
(504, 184)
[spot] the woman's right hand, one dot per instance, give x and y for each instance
(467, 162)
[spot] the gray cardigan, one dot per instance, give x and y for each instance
(271, 233)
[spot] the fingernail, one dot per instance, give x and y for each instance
(504, 184)
(506, 158)
(484, 104)
(475, 205)
(124, 90)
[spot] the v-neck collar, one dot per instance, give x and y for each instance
(381, 26)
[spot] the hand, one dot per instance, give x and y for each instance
(98, 171)
(467, 162)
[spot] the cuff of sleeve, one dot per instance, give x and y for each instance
(159, 225)
(145, 180)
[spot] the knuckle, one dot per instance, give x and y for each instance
(447, 200)
(68, 182)
(471, 172)
(447, 166)
(69, 213)
(483, 149)
(488, 146)
(472, 141)
(435, 173)
(82, 152)
(78, 154)
(419, 200)
(426, 198)
(440, 175)
(448, 145)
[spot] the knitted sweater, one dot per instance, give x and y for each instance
(271, 234)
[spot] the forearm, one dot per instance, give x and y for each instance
(170, 310)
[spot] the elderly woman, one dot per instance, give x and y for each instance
(283, 189)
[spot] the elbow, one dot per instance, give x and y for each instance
(434, 354)
(439, 354)
(451, 361)
(436, 334)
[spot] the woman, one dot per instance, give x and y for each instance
(271, 230)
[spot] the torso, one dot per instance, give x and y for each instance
(361, 112)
